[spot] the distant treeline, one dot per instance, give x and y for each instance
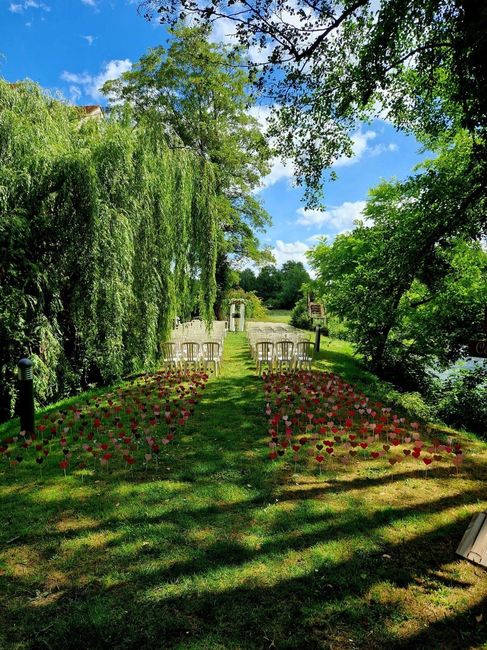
(278, 288)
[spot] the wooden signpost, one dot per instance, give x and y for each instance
(316, 311)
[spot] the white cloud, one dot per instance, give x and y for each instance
(314, 239)
(382, 148)
(74, 94)
(341, 217)
(359, 147)
(89, 39)
(90, 3)
(283, 252)
(20, 7)
(91, 84)
(279, 170)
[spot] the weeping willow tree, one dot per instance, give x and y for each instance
(104, 233)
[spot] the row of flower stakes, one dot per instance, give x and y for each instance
(317, 414)
(310, 413)
(129, 427)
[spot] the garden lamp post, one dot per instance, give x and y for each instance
(26, 395)
(317, 338)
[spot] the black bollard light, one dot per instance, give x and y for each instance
(317, 338)
(26, 395)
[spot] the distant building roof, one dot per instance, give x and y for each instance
(92, 110)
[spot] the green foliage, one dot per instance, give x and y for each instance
(299, 315)
(201, 90)
(278, 288)
(337, 328)
(462, 399)
(413, 283)
(421, 63)
(268, 284)
(293, 277)
(247, 280)
(103, 232)
(254, 307)
(413, 405)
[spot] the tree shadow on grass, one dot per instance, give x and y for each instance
(323, 606)
(333, 603)
(188, 577)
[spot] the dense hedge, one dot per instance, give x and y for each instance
(102, 231)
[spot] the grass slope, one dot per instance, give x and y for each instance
(224, 549)
(277, 316)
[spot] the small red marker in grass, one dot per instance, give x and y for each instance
(63, 464)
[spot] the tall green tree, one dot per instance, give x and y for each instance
(423, 63)
(268, 284)
(247, 280)
(413, 284)
(201, 89)
(293, 276)
(104, 233)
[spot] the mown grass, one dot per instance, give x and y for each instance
(278, 316)
(223, 549)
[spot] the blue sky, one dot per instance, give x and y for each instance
(73, 46)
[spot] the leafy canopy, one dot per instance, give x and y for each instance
(104, 231)
(201, 90)
(328, 64)
(414, 283)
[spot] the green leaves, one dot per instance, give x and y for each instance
(200, 90)
(412, 285)
(104, 233)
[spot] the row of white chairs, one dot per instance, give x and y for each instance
(197, 331)
(274, 335)
(283, 353)
(195, 345)
(193, 354)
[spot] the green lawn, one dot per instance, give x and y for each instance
(278, 316)
(223, 549)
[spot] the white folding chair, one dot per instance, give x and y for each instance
(284, 350)
(211, 353)
(304, 354)
(170, 354)
(264, 353)
(190, 354)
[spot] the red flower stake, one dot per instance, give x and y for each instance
(63, 464)
(319, 458)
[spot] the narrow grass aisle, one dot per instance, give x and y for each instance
(226, 436)
(221, 549)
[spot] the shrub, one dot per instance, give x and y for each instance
(462, 399)
(299, 315)
(337, 328)
(413, 404)
(254, 307)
